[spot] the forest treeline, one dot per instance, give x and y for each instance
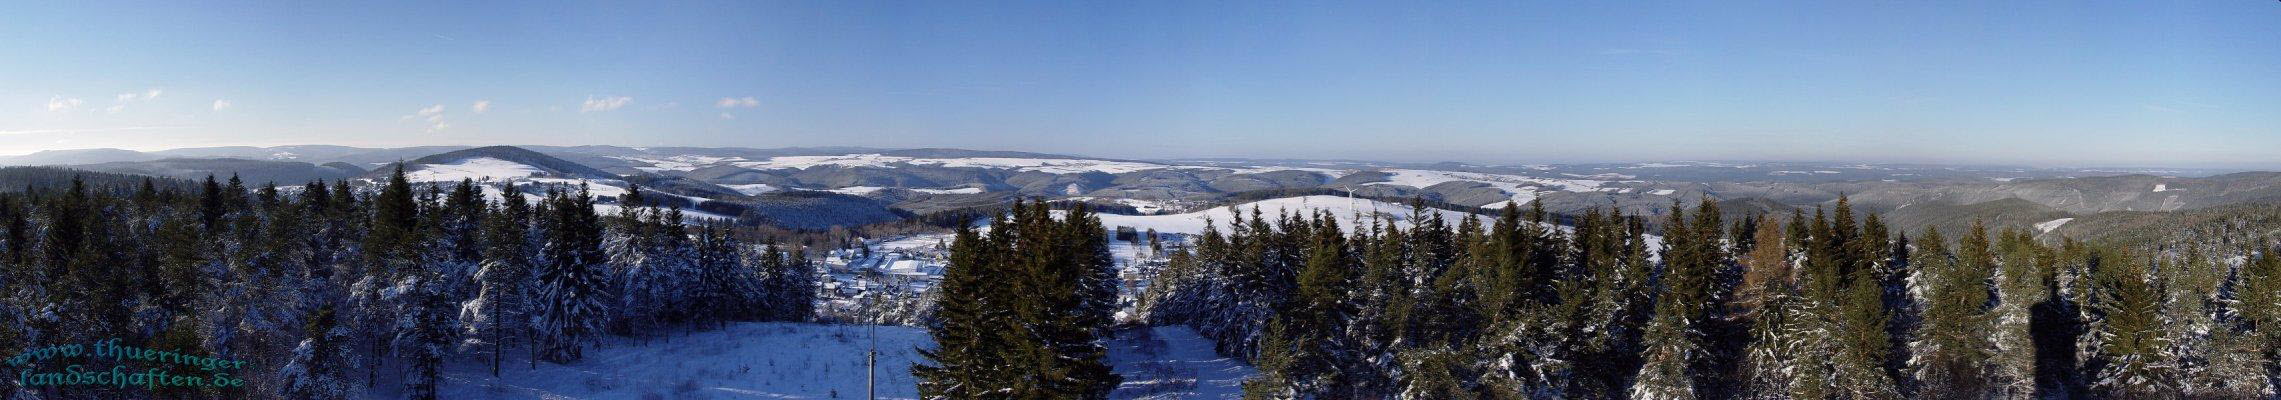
(1023, 310)
(1827, 305)
(329, 290)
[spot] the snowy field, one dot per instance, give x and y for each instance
(811, 361)
(1522, 188)
(2047, 226)
(1346, 209)
(478, 168)
(743, 361)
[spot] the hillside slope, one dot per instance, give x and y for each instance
(492, 162)
(1953, 220)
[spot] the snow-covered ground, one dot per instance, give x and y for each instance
(1057, 166)
(2048, 226)
(742, 361)
(810, 361)
(681, 162)
(478, 168)
(1144, 206)
(867, 190)
(1522, 188)
(753, 189)
(1049, 165)
(1172, 362)
(1346, 209)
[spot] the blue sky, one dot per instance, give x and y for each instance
(2036, 83)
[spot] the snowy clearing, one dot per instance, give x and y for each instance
(1522, 188)
(683, 162)
(968, 190)
(753, 189)
(857, 190)
(810, 361)
(1172, 362)
(1058, 166)
(742, 361)
(2048, 226)
(479, 168)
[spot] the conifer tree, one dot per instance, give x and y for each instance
(1767, 299)
(2019, 281)
(797, 288)
(1278, 361)
(2258, 307)
(1859, 364)
(965, 361)
(1030, 337)
(572, 286)
(320, 362)
(1325, 364)
(1665, 374)
(1672, 345)
(1952, 354)
(501, 307)
(394, 242)
(2131, 348)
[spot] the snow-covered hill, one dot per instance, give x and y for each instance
(810, 361)
(1348, 210)
(478, 168)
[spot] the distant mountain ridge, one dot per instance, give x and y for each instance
(251, 171)
(920, 180)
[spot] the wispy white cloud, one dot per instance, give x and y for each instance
(119, 102)
(59, 103)
(432, 115)
(480, 106)
(604, 103)
(736, 102)
(220, 104)
(728, 116)
(146, 95)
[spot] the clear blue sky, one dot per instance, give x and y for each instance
(2043, 83)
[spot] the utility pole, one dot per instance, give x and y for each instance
(871, 357)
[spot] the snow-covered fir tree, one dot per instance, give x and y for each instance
(573, 291)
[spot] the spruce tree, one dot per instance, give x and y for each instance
(502, 304)
(966, 362)
(1012, 317)
(2019, 280)
(1860, 360)
(1672, 344)
(1320, 313)
(1951, 356)
(2257, 306)
(2131, 348)
(320, 362)
(573, 289)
